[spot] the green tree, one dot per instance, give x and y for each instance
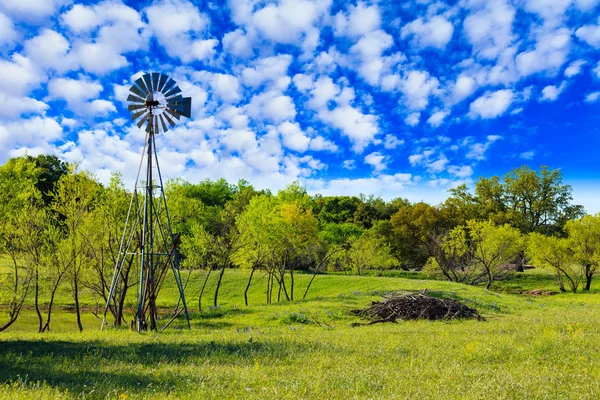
(555, 255)
(584, 241)
(493, 247)
(370, 251)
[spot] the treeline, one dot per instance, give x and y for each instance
(60, 228)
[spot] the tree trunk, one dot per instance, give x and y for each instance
(588, 279)
(248, 285)
(309, 283)
(76, 298)
(37, 300)
(218, 286)
(292, 284)
(202, 290)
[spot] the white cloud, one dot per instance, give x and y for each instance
(412, 119)
(592, 97)
(238, 43)
(272, 106)
(489, 27)
(368, 50)
(319, 143)
(463, 172)
(31, 10)
(293, 137)
(226, 87)
(8, 33)
(574, 68)
(491, 105)
(377, 160)
(551, 92)
(349, 164)
(14, 106)
(19, 76)
(417, 86)
(552, 11)
(269, 71)
(391, 142)
(360, 128)
(358, 21)
(437, 118)
(78, 93)
(550, 53)
(476, 151)
(37, 132)
(49, 50)
(435, 32)
(463, 87)
(177, 24)
(590, 34)
(527, 155)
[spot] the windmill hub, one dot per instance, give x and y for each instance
(157, 102)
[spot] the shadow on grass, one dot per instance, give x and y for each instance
(106, 367)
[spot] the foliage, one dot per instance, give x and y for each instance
(584, 241)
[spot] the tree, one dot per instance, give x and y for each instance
(555, 254)
(493, 247)
(453, 256)
(50, 170)
(414, 226)
(584, 241)
(369, 251)
(72, 204)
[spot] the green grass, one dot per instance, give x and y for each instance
(528, 347)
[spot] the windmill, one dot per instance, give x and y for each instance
(147, 240)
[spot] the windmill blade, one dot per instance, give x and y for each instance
(172, 113)
(170, 83)
(138, 114)
(133, 107)
(183, 107)
(169, 120)
(142, 85)
(173, 91)
(141, 122)
(155, 76)
(162, 122)
(162, 81)
(134, 89)
(148, 81)
(135, 99)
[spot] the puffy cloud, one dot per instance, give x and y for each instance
(360, 128)
(78, 93)
(596, 70)
(238, 43)
(357, 21)
(552, 11)
(319, 143)
(293, 137)
(31, 10)
(463, 87)
(49, 50)
(226, 87)
(592, 97)
(391, 142)
(574, 68)
(177, 24)
(491, 105)
(550, 53)
(489, 27)
(269, 71)
(19, 76)
(590, 34)
(463, 172)
(551, 92)
(8, 33)
(412, 119)
(349, 164)
(437, 118)
(527, 155)
(368, 50)
(435, 32)
(15, 106)
(477, 151)
(37, 132)
(272, 106)
(417, 86)
(377, 160)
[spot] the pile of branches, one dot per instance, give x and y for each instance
(416, 306)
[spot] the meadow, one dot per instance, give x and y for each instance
(542, 347)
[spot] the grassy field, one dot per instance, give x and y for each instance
(529, 347)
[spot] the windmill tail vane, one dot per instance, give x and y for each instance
(147, 241)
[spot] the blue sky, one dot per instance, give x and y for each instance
(392, 98)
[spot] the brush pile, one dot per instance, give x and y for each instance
(416, 306)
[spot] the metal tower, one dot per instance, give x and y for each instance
(147, 239)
